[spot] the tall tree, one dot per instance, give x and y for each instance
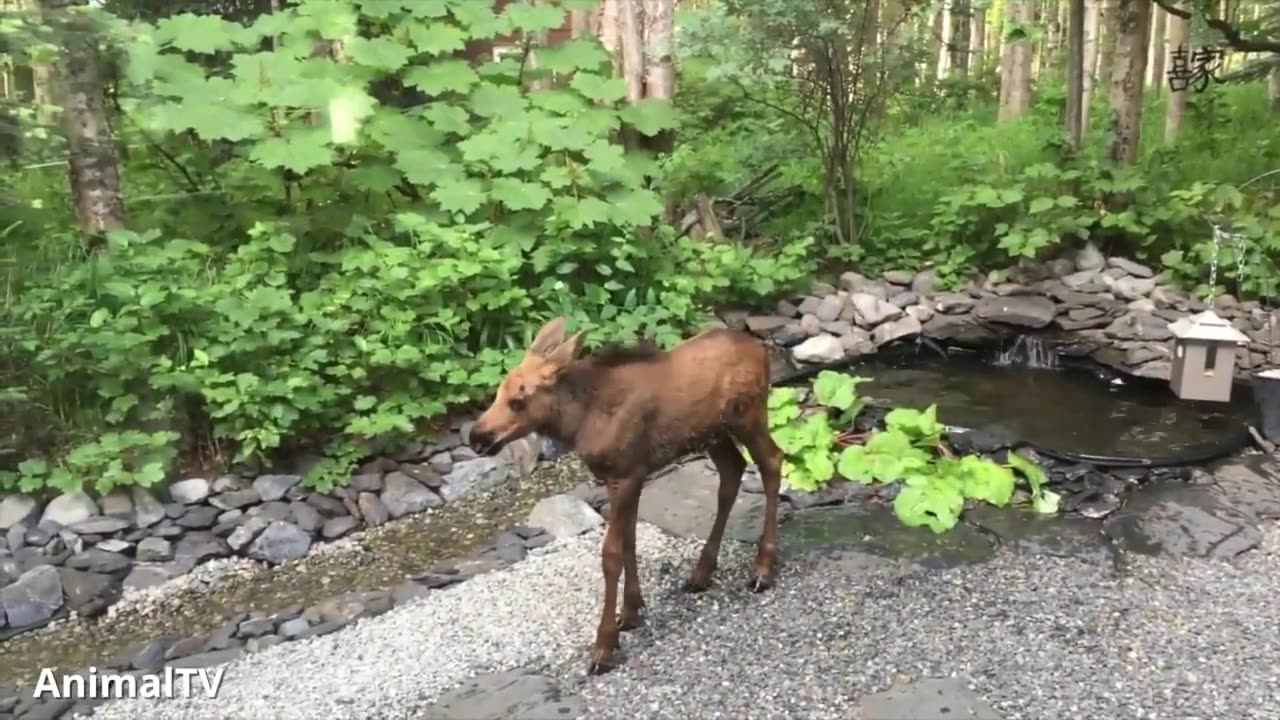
(959, 40)
(1107, 24)
(1093, 17)
(1273, 88)
(660, 69)
(93, 167)
(1133, 25)
(1158, 50)
(1179, 33)
(978, 38)
(1015, 81)
(1075, 73)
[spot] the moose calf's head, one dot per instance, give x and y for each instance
(526, 398)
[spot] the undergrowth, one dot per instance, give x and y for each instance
(911, 449)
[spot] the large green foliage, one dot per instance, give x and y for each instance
(428, 213)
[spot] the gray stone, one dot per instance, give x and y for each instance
(898, 277)
(95, 560)
(87, 593)
(855, 283)
(809, 305)
(475, 475)
(99, 526)
(16, 509)
(273, 487)
(367, 482)
(521, 455)
(154, 549)
(1090, 258)
(280, 542)
(822, 348)
(305, 517)
(113, 545)
(925, 282)
(1129, 288)
(1194, 520)
(829, 308)
(228, 483)
(189, 491)
(766, 323)
(293, 628)
(905, 326)
(34, 598)
(1139, 326)
(196, 547)
(246, 532)
(810, 325)
(235, 499)
(149, 575)
(514, 694)
(1030, 311)
(952, 303)
(402, 495)
(871, 310)
(208, 659)
(147, 510)
(337, 527)
(930, 699)
(118, 504)
(1137, 270)
(904, 299)
(68, 509)
(372, 509)
(683, 503)
(256, 627)
(258, 644)
(564, 516)
(441, 462)
(150, 657)
(1085, 281)
(199, 517)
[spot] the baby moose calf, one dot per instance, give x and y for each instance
(632, 411)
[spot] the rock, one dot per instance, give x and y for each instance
(328, 507)
(855, 283)
(423, 474)
(273, 487)
(510, 547)
(904, 299)
(117, 504)
(1090, 258)
(403, 495)
(114, 546)
(235, 499)
(34, 598)
(925, 282)
(1135, 269)
(190, 491)
(305, 517)
(274, 510)
(16, 509)
(905, 326)
(871, 310)
(246, 532)
(95, 560)
(99, 526)
(366, 482)
(952, 303)
(929, 699)
(280, 542)
(809, 305)
(196, 547)
(1194, 520)
(475, 475)
(208, 659)
(810, 325)
(337, 527)
(683, 503)
(442, 462)
(517, 694)
(147, 510)
(521, 455)
(960, 330)
(830, 307)
(822, 348)
(1030, 311)
(88, 594)
(290, 629)
(1139, 326)
(898, 277)
(372, 510)
(1130, 288)
(564, 516)
(150, 657)
(69, 509)
(199, 517)
(766, 323)
(1085, 281)
(256, 627)
(258, 644)
(144, 576)
(154, 549)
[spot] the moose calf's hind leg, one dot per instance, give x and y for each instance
(625, 497)
(762, 446)
(730, 465)
(632, 615)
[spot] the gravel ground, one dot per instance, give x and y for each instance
(1040, 638)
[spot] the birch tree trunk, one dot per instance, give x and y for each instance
(944, 39)
(1016, 101)
(1176, 108)
(660, 76)
(1155, 78)
(1107, 22)
(978, 41)
(608, 23)
(1091, 29)
(1133, 25)
(1273, 90)
(93, 168)
(959, 40)
(1075, 73)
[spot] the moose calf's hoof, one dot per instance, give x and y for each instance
(760, 583)
(695, 586)
(630, 622)
(601, 663)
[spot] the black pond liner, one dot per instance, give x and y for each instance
(1228, 444)
(1266, 399)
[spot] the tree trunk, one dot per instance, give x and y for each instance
(92, 164)
(1133, 25)
(1016, 100)
(1158, 50)
(1075, 73)
(1273, 89)
(1178, 32)
(632, 43)
(660, 79)
(959, 40)
(1090, 61)
(1107, 22)
(978, 41)
(946, 21)
(608, 29)
(579, 23)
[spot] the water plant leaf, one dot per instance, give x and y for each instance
(932, 501)
(921, 426)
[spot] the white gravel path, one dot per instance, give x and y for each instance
(536, 613)
(1040, 638)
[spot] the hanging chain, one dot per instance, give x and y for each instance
(1218, 235)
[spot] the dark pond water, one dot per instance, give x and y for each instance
(1074, 409)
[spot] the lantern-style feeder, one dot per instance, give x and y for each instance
(1204, 357)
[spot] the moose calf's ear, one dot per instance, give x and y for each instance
(549, 337)
(567, 351)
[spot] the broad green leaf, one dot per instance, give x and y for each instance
(519, 195)
(599, 88)
(490, 100)
(299, 151)
(459, 195)
(935, 505)
(204, 33)
(443, 76)
(532, 17)
(1041, 204)
(437, 38)
(572, 55)
(380, 53)
(650, 115)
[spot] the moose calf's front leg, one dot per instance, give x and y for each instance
(624, 498)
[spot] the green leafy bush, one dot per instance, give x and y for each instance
(935, 484)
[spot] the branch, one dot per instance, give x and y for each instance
(1230, 33)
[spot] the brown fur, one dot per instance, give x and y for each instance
(628, 412)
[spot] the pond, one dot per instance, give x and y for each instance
(1075, 409)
